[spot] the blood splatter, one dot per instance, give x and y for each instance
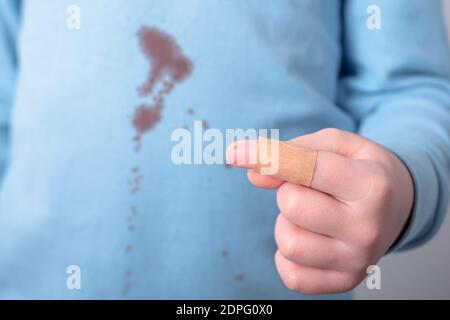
(135, 169)
(135, 183)
(145, 119)
(169, 66)
(166, 57)
(239, 277)
(225, 253)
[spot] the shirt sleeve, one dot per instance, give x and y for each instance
(395, 82)
(9, 25)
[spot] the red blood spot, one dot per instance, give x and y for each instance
(239, 277)
(135, 169)
(166, 57)
(145, 118)
(169, 66)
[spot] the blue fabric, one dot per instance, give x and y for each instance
(66, 149)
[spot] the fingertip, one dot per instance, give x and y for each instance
(242, 154)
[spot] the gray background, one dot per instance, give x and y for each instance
(422, 273)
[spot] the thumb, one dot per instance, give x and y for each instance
(334, 140)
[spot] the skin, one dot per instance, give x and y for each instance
(360, 199)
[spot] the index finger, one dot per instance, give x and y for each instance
(324, 171)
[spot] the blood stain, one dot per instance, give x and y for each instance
(169, 66)
(239, 277)
(135, 169)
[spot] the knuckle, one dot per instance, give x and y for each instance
(334, 136)
(289, 248)
(331, 132)
(333, 258)
(381, 187)
(369, 236)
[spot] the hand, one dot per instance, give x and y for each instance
(360, 198)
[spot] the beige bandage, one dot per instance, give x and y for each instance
(286, 161)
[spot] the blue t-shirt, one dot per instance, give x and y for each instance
(82, 192)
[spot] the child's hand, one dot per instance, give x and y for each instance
(360, 198)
